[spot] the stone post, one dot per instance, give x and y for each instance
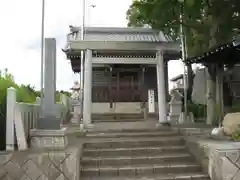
(64, 100)
(49, 120)
(175, 112)
(87, 100)
(65, 105)
(38, 100)
(161, 89)
(48, 133)
(175, 106)
(10, 135)
(151, 101)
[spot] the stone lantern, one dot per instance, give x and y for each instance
(175, 106)
(76, 102)
(75, 91)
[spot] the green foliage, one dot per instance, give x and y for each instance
(5, 82)
(24, 94)
(236, 136)
(66, 93)
(58, 94)
(235, 108)
(198, 110)
(206, 22)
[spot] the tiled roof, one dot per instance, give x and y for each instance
(122, 34)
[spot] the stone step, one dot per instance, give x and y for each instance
(116, 116)
(180, 176)
(135, 142)
(137, 130)
(139, 170)
(135, 160)
(132, 134)
(129, 119)
(134, 151)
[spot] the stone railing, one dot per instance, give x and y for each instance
(22, 117)
(219, 158)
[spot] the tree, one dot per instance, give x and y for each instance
(207, 23)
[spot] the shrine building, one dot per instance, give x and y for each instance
(123, 67)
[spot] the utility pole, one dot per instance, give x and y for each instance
(42, 57)
(83, 55)
(183, 47)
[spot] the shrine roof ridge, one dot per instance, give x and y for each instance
(118, 29)
(122, 34)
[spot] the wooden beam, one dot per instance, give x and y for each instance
(123, 46)
(97, 60)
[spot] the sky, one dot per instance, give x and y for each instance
(20, 34)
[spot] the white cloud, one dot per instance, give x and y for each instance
(21, 30)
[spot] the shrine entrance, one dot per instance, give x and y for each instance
(125, 85)
(129, 87)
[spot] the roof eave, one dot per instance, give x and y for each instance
(221, 51)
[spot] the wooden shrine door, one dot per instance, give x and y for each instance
(125, 87)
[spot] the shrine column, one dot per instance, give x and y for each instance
(87, 97)
(166, 77)
(161, 89)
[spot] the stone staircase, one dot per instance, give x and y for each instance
(117, 117)
(158, 154)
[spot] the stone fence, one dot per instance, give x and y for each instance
(41, 164)
(219, 158)
(22, 117)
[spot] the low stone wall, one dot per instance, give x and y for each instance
(220, 159)
(224, 163)
(46, 165)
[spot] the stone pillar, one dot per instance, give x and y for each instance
(48, 133)
(151, 101)
(10, 116)
(166, 77)
(161, 90)
(64, 100)
(143, 91)
(87, 100)
(49, 120)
